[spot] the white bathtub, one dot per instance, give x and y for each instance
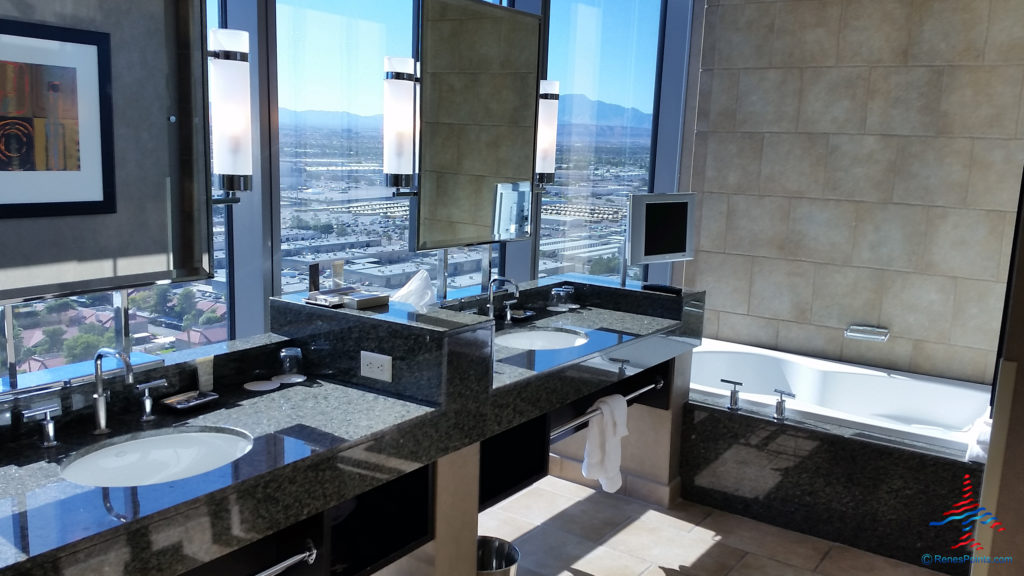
(882, 403)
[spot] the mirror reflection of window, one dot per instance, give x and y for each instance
(334, 201)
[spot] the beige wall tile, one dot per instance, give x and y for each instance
(757, 225)
(769, 100)
(711, 324)
(977, 313)
(964, 243)
(1005, 43)
(750, 330)
(709, 36)
(809, 340)
(894, 353)
(933, 171)
(1009, 226)
(977, 100)
(698, 168)
(874, 32)
(722, 106)
(726, 277)
(781, 289)
(995, 181)
(805, 33)
(834, 100)
(956, 362)
(744, 35)
(918, 306)
(903, 100)
(713, 210)
(889, 236)
(861, 167)
(733, 163)
(845, 295)
(821, 230)
(948, 31)
(794, 164)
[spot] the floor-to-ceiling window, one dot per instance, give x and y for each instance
(604, 54)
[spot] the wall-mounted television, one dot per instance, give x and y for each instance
(660, 228)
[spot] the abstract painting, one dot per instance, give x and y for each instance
(56, 155)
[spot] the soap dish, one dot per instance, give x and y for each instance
(522, 315)
(189, 399)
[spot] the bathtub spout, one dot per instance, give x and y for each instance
(734, 395)
(780, 404)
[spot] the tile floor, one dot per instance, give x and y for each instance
(566, 529)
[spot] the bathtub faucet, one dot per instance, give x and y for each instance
(780, 405)
(734, 396)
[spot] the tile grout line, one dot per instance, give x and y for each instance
(823, 557)
(737, 565)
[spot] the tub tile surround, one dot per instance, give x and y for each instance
(317, 443)
(868, 496)
(909, 121)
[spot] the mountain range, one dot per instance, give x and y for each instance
(578, 115)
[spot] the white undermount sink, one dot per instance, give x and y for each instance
(541, 338)
(156, 456)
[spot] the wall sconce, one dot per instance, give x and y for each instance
(547, 131)
(400, 103)
(230, 110)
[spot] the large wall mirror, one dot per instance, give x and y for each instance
(160, 227)
(478, 124)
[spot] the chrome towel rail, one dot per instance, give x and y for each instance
(308, 557)
(587, 416)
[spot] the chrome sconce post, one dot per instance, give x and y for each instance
(230, 112)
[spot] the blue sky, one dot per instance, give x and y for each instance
(328, 47)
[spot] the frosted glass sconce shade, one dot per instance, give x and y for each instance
(547, 130)
(399, 121)
(230, 109)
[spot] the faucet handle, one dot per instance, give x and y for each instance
(782, 393)
(733, 383)
(147, 400)
(49, 431)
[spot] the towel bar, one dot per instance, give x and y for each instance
(587, 416)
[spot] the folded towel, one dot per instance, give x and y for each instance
(603, 454)
(977, 449)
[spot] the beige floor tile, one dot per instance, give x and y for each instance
(592, 518)
(564, 487)
(553, 552)
(689, 511)
(755, 565)
(787, 547)
(495, 522)
(673, 543)
(845, 561)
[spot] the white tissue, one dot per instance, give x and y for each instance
(417, 292)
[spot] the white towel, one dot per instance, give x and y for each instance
(977, 450)
(603, 454)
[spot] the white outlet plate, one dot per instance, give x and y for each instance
(376, 366)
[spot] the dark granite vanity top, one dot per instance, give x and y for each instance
(329, 439)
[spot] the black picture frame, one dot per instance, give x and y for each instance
(56, 122)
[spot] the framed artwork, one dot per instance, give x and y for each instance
(56, 132)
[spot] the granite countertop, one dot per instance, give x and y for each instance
(317, 444)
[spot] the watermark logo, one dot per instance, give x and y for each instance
(968, 511)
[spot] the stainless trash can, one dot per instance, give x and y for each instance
(495, 557)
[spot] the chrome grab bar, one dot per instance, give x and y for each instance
(309, 556)
(587, 416)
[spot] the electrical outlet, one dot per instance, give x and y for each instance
(376, 366)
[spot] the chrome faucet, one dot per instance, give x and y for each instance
(509, 303)
(734, 394)
(102, 395)
(780, 404)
